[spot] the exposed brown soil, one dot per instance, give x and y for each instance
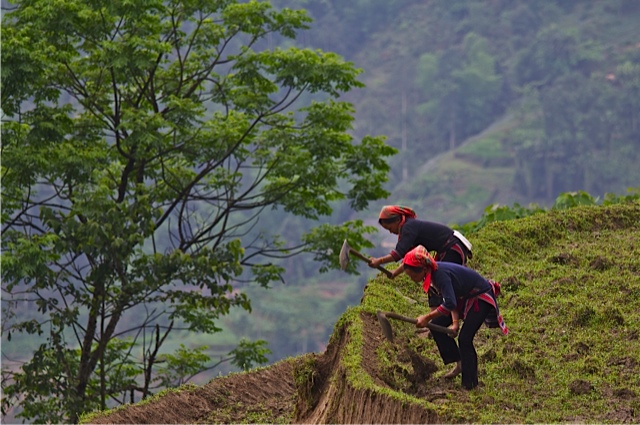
(322, 394)
(333, 399)
(267, 393)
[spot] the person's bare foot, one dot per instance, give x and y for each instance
(455, 371)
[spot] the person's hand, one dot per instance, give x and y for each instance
(455, 326)
(375, 262)
(422, 321)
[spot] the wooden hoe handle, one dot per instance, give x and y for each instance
(432, 326)
(363, 257)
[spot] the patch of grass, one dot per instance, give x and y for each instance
(261, 414)
(304, 378)
(392, 370)
(568, 283)
(489, 147)
(87, 418)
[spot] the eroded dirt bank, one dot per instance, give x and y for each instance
(267, 393)
(329, 397)
(308, 389)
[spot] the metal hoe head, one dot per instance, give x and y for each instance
(344, 255)
(344, 258)
(385, 326)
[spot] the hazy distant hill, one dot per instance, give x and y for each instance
(543, 96)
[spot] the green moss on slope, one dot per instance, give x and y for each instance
(571, 298)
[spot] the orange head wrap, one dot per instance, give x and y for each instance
(420, 257)
(393, 211)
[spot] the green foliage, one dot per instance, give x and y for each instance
(575, 129)
(612, 198)
(573, 199)
(496, 212)
(488, 149)
(459, 84)
(177, 368)
(141, 143)
(556, 52)
(329, 239)
(249, 353)
(448, 70)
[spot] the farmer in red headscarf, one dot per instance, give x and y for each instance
(463, 289)
(449, 245)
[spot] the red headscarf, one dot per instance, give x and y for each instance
(420, 257)
(391, 211)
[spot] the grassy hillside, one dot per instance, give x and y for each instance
(456, 186)
(571, 299)
(572, 286)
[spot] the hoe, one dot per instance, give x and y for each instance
(387, 330)
(344, 258)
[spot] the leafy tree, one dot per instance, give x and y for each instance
(573, 199)
(185, 363)
(627, 80)
(142, 140)
(553, 53)
(461, 88)
(578, 133)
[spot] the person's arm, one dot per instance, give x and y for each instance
(448, 305)
(397, 271)
(426, 318)
(404, 245)
(375, 262)
(455, 321)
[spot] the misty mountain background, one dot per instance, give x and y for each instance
(488, 102)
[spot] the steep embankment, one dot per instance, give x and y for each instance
(571, 298)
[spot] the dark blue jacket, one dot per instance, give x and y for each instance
(455, 283)
(433, 236)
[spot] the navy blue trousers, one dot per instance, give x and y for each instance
(463, 350)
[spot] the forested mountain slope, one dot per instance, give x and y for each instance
(571, 299)
(560, 78)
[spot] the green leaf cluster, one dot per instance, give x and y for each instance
(142, 141)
